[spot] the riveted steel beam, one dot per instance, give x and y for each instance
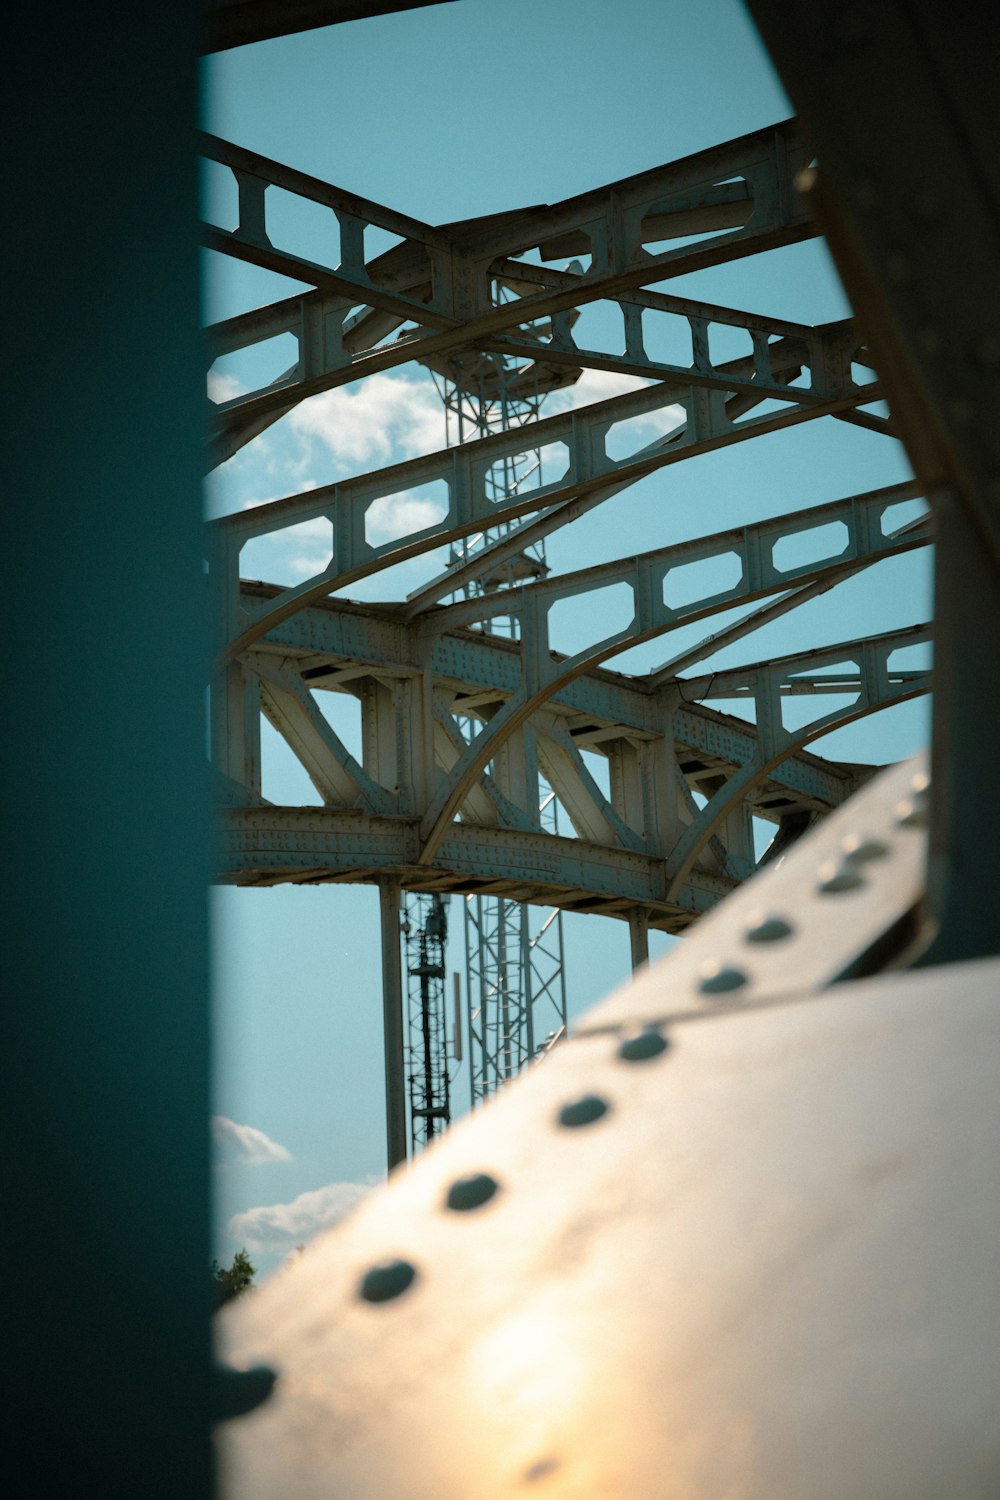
(862, 517)
(799, 671)
(541, 674)
(876, 690)
(736, 1093)
(463, 472)
(272, 845)
(441, 280)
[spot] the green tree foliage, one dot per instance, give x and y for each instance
(229, 1281)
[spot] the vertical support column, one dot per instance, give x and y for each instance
(644, 779)
(638, 932)
(563, 1002)
(383, 732)
(528, 996)
(235, 721)
(392, 1014)
(962, 886)
(737, 837)
(515, 771)
(504, 969)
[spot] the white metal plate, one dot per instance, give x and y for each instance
(769, 1269)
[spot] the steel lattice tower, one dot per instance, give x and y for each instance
(515, 977)
(428, 1056)
(514, 961)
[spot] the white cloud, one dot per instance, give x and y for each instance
(275, 1227)
(366, 424)
(312, 542)
(305, 485)
(288, 555)
(244, 1143)
(222, 387)
(593, 385)
(601, 385)
(402, 514)
(385, 418)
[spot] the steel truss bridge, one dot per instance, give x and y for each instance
(738, 1234)
(459, 724)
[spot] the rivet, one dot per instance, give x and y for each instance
(390, 1279)
(761, 929)
(715, 978)
(836, 876)
(471, 1192)
(650, 1042)
(805, 180)
(854, 847)
(911, 813)
(540, 1470)
(920, 783)
(237, 1392)
(583, 1111)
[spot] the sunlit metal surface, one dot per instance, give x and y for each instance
(755, 1261)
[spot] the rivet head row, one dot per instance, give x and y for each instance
(389, 1279)
(762, 929)
(645, 1044)
(715, 978)
(858, 849)
(834, 877)
(583, 1111)
(471, 1192)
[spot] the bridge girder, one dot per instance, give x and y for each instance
(458, 726)
(739, 198)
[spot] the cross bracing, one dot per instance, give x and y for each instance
(738, 198)
(463, 729)
(702, 420)
(661, 747)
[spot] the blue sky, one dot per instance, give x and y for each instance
(445, 113)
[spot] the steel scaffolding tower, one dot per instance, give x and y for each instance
(515, 985)
(515, 977)
(428, 1052)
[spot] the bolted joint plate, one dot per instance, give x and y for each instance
(765, 1268)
